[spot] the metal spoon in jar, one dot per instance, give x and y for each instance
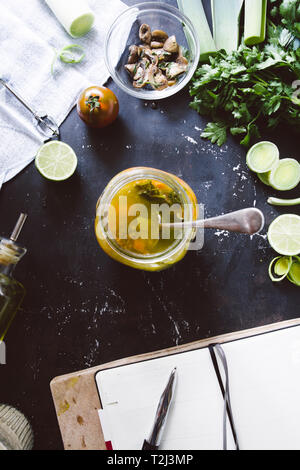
(248, 221)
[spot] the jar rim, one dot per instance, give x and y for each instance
(144, 173)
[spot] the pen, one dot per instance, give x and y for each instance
(161, 416)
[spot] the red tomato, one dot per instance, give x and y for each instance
(98, 106)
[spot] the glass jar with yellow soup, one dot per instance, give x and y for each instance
(128, 216)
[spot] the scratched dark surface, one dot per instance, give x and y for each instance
(82, 308)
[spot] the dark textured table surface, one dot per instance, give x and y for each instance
(82, 308)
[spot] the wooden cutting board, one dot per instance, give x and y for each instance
(76, 397)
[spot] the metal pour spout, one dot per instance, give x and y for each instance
(18, 227)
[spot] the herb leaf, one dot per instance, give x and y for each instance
(216, 132)
(150, 192)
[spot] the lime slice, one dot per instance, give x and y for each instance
(285, 175)
(264, 178)
(56, 161)
(284, 235)
(262, 157)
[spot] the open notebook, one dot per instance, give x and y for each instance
(264, 376)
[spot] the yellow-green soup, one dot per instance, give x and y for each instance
(137, 231)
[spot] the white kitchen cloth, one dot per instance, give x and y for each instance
(29, 33)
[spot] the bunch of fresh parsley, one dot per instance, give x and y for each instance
(252, 87)
(288, 13)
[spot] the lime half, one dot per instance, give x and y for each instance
(284, 235)
(262, 157)
(56, 161)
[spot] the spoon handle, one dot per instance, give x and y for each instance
(248, 221)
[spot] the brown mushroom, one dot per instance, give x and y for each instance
(181, 56)
(141, 74)
(143, 49)
(149, 54)
(162, 54)
(134, 54)
(131, 69)
(157, 61)
(171, 45)
(159, 35)
(145, 33)
(156, 45)
(141, 70)
(177, 68)
(156, 78)
(139, 83)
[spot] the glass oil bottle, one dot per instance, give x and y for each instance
(12, 292)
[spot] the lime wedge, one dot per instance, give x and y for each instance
(262, 157)
(284, 235)
(56, 161)
(285, 175)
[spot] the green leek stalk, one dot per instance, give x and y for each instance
(283, 202)
(194, 10)
(226, 16)
(75, 16)
(255, 21)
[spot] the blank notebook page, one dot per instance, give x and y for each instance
(264, 374)
(130, 396)
(265, 389)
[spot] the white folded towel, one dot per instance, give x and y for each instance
(29, 33)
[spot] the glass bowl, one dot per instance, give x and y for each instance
(124, 32)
